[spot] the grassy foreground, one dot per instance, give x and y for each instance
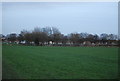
(35, 62)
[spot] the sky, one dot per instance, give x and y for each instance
(68, 17)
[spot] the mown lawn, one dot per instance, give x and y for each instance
(35, 62)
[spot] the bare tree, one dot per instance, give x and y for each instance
(47, 30)
(43, 36)
(12, 37)
(74, 38)
(56, 37)
(39, 36)
(64, 39)
(28, 37)
(55, 30)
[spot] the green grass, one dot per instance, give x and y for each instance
(35, 62)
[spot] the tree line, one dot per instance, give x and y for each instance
(52, 36)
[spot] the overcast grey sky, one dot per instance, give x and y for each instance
(68, 17)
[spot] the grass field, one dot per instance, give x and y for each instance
(35, 62)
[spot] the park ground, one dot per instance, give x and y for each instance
(36, 62)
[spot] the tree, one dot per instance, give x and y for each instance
(112, 37)
(74, 38)
(20, 38)
(12, 37)
(64, 39)
(54, 35)
(90, 38)
(2, 37)
(25, 36)
(104, 38)
(22, 35)
(39, 36)
(28, 37)
(55, 30)
(57, 37)
(84, 35)
(44, 36)
(95, 37)
(47, 30)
